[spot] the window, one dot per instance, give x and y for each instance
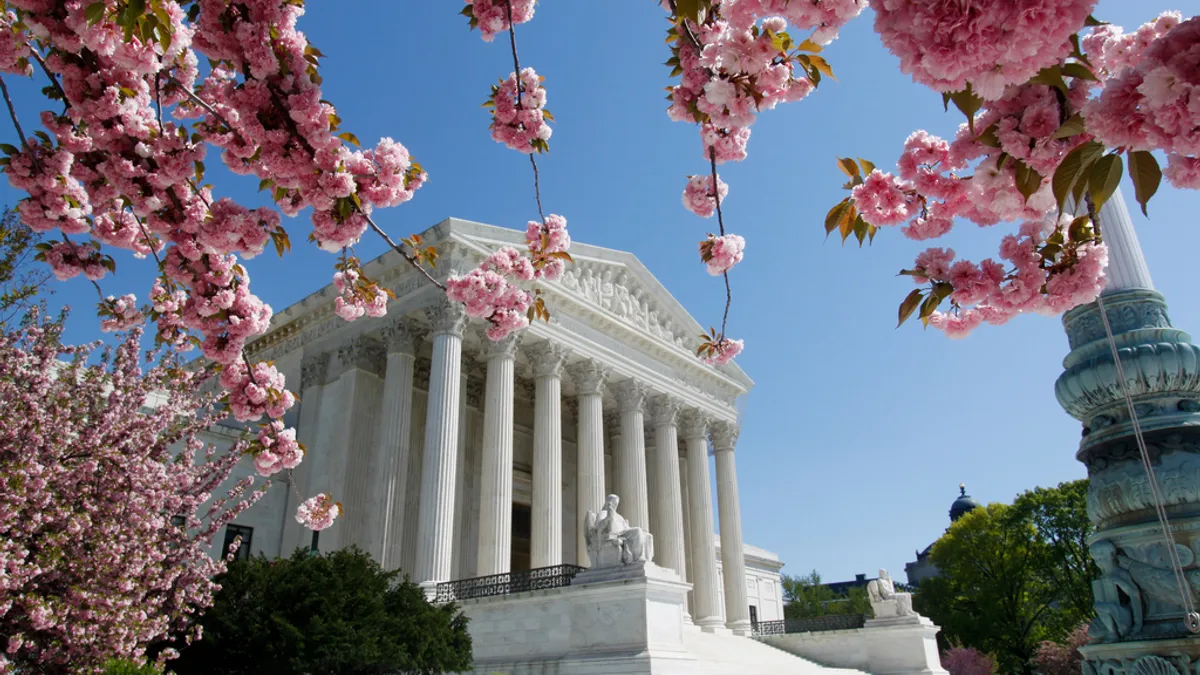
(753, 616)
(233, 532)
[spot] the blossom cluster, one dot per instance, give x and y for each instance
(276, 449)
(492, 16)
(988, 45)
(723, 351)
(1151, 100)
(491, 290)
(119, 314)
(109, 508)
(318, 513)
(699, 198)
(721, 253)
(357, 295)
(519, 118)
(254, 391)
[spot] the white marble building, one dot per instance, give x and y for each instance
(457, 457)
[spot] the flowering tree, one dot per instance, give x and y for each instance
(1055, 658)
(959, 660)
(107, 511)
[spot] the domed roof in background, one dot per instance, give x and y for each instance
(963, 504)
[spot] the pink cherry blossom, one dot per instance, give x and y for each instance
(276, 449)
(990, 45)
(698, 195)
(119, 314)
(721, 253)
(521, 125)
(723, 351)
(255, 391)
(883, 199)
(492, 16)
(318, 513)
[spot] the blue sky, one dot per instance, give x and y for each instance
(857, 435)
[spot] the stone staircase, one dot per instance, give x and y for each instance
(726, 654)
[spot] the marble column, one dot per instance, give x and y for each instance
(403, 336)
(668, 502)
(588, 377)
(630, 458)
(362, 361)
(545, 545)
(687, 531)
(435, 532)
(706, 607)
(612, 440)
(314, 369)
(495, 506)
(1161, 367)
(733, 557)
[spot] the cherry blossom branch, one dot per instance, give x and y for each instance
(512, 41)
(200, 102)
(53, 80)
(12, 112)
(712, 159)
(407, 256)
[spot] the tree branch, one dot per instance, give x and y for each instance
(12, 111)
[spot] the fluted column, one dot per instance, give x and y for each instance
(545, 545)
(687, 532)
(361, 361)
(668, 541)
(630, 459)
(589, 486)
(706, 608)
(612, 441)
(733, 557)
(436, 536)
(403, 336)
(314, 370)
(495, 507)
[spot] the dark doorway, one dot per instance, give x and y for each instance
(522, 527)
(753, 616)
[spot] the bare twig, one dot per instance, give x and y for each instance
(412, 260)
(537, 190)
(712, 159)
(200, 102)
(12, 111)
(512, 41)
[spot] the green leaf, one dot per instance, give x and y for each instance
(989, 138)
(848, 166)
(1146, 175)
(860, 229)
(9, 149)
(349, 138)
(94, 13)
(1093, 21)
(909, 306)
(1105, 177)
(1071, 127)
(1028, 180)
(967, 102)
(1072, 169)
(1078, 71)
(1051, 76)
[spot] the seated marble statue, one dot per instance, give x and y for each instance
(885, 601)
(611, 541)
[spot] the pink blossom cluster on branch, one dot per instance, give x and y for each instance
(318, 512)
(721, 253)
(698, 196)
(991, 45)
(492, 17)
(521, 122)
(1151, 100)
(108, 510)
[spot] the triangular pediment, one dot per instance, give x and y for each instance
(612, 283)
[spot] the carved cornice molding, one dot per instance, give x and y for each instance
(447, 317)
(364, 354)
(588, 376)
(547, 358)
(314, 370)
(403, 335)
(631, 394)
(693, 424)
(724, 436)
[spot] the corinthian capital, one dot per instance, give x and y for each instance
(665, 410)
(447, 317)
(724, 436)
(403, 336)
(693, 424)
(631, 394)
(362, 353)
(547, 359)
(588, 376)
(314, 370)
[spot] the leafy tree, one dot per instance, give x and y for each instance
(19, 281)
(959, 660)
(807, 597)
(92, 487)
(335, 613)
(1059, 515)
(1062, 658)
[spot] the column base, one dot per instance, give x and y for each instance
(713, 624)
(430, 589)
(740, 628)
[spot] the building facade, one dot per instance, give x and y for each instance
(456, 456)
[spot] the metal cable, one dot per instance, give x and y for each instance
(1191, 618)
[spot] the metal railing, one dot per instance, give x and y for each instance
(809, 625)
(538, 579)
